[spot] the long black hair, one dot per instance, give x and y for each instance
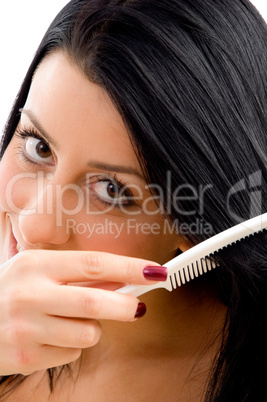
(189, 80)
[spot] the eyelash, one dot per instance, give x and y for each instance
(113, 179)
(23, 134)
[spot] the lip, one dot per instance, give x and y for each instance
(12, 246)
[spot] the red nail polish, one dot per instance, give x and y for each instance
(155, 273)
(141, 310)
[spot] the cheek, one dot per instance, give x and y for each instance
(14, 187)
(7, 171)
(130, 237)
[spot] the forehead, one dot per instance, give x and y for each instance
(68, 105)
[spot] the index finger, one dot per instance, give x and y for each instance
(73, 266)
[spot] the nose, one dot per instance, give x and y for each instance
(44, 220)
(42, 229)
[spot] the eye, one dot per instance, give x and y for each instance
(111, 192)
(38, 151)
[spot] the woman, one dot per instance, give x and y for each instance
(138, 132)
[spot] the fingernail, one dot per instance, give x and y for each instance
(141, 310)
(155, 273)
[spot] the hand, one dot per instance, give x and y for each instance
(47, 315)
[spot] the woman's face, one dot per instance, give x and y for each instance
(70, 179)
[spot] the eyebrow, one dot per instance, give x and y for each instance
(94, 164)
(116, 168)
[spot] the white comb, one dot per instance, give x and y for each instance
(199, 259)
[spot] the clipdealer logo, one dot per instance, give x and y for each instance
(252, 188)
(46, 197)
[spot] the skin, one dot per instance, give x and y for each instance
(54, 292)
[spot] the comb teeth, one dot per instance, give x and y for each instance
(192, 271)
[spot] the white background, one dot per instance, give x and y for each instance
(22, 25)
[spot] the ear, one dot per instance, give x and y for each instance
(180, 244)
(185, 245)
